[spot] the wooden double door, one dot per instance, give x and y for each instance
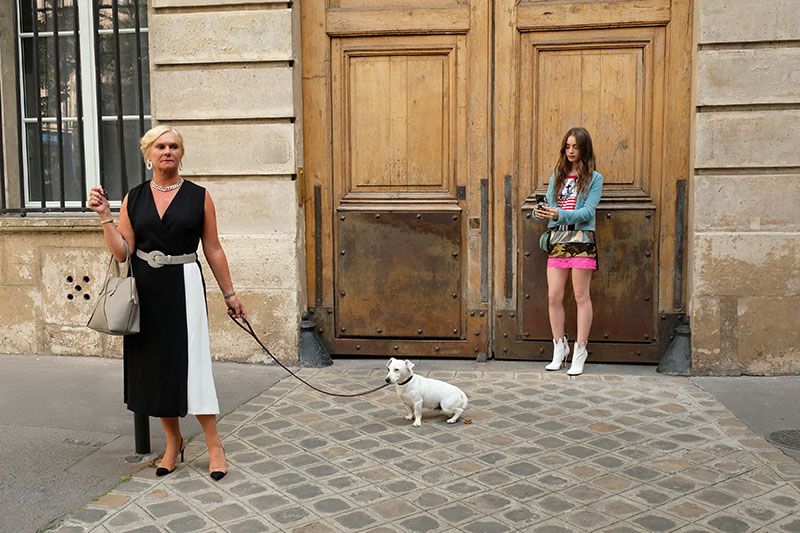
(429, 126)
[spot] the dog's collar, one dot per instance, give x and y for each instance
(406, 381)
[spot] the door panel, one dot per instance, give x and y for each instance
(537, 15)
(624, 282)
(399, 275)
(603, 80)
(600, 65)
(397, 199)
(395, 116)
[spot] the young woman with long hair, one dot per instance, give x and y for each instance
(572, 197)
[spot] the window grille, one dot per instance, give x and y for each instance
(84, 100)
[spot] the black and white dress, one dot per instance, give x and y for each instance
(168, 363)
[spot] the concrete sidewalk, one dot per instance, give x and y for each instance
(65, 433)
(619, 449)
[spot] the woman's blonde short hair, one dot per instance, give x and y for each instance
(154, 133)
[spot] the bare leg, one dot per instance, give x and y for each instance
(216, 455)
(581, 279)
(172, 429)
(556, 282)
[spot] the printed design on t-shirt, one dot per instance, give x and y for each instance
(569, 194)
(568, 198)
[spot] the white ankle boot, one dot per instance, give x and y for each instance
(578, 359)
(560, 352)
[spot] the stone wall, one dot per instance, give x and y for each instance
(745, 236)
(225, 73)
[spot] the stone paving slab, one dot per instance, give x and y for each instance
(542, 453)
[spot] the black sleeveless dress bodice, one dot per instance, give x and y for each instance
(168, 363)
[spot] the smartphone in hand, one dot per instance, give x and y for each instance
(541, 203)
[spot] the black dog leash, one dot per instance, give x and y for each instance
(245, 325)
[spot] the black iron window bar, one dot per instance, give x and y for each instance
(46, 150)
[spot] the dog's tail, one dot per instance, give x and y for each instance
(464, 401)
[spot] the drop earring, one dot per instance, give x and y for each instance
(180, 165)
(149, 165)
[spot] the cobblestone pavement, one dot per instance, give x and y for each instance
(543, 453)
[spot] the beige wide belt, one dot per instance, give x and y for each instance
(158, 259)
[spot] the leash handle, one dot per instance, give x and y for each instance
(245, 325)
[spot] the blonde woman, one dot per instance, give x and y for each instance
(167, 365)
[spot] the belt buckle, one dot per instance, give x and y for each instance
(154, 258)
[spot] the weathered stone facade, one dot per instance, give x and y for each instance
(226, 74)
(744, 239)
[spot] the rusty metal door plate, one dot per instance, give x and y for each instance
(399, 275)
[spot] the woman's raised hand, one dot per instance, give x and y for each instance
(98, 201)
(546, 212)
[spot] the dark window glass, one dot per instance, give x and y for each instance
(46, 12)
(51, 89)
(44, 161)
(112, 156)
(126, 12)
(130, 68)
(56, 98)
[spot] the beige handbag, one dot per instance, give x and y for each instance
(117, 308)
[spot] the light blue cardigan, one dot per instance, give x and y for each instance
(583, 215)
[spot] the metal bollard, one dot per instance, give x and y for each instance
(141, 433)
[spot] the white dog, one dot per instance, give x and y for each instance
(418, 392)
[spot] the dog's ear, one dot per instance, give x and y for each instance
(409, 364)
(389, 363)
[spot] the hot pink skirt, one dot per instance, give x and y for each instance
(572, 262)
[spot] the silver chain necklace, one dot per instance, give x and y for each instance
(167, 188)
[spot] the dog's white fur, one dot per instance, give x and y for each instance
(420, 392)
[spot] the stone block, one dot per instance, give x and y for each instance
(747, 139)
(20, 260)
(221, 36)
(68, 276)
(275, 317)
(20, 310)
(258, 262)
(238, 149)
(222, 92)
(72, 340)
(753, 76)
(3, 255)
(769, 339)
(743, 202)
(747, 264)
(112, 346)
(705, 334)
(727, 21)
(254, 205)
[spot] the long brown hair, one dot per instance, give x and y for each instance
(585, 164)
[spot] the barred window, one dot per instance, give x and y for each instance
(84, 99)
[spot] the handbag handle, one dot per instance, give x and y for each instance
(128, 263)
